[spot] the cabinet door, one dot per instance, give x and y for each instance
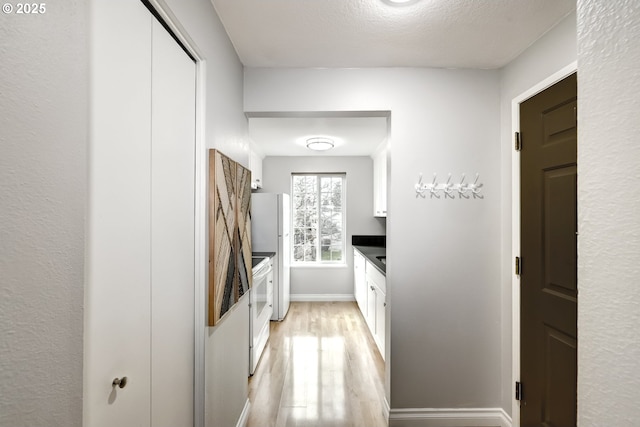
(270, 283)
(255, 164)
(371, 305)
(376, 282)
(359, 282)
(380, 319)
(380, 183)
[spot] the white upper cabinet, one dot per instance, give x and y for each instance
(380, 181)
(255, 165)
(370, 291)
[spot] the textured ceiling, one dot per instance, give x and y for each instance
(485, 34)
(372, 33)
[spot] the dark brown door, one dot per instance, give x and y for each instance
(549, 293)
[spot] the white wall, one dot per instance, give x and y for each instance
(443, 271)
(334, 281)
(225, 122)
(227, 367)
(225, 128)
(43, 122)
(608, 212)
(551, 53)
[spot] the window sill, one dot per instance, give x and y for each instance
(318, 265)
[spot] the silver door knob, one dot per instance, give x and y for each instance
(120, 382)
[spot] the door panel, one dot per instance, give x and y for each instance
(117, 293)
(172, 231)
(549, 257)
(560, 247)
(139, 311)
(559, 124)
(560, 381)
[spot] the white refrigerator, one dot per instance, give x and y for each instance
(270, 219)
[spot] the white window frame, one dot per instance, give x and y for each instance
(319, 261)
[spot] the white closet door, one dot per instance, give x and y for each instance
(117, 293)
(139, 311)
(172, 232)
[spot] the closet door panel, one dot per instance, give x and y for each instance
(172, 232)
(117, 292)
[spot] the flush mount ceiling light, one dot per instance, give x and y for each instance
(319, 143)
(399, 2)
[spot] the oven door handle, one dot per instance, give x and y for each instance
(262, 271)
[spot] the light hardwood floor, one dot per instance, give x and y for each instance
(320, 368)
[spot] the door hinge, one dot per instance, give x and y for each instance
(518, 141)
(518, 266)
(518, 390)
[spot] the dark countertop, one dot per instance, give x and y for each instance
(263, 254)
(379, 240)
(370, 253)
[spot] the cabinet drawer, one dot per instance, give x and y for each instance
(377, 277)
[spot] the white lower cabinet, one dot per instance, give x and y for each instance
(370, 314)
(376, 305)
(370, 292)
(360, 281)
(381, 307)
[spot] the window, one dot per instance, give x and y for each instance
(318, 218)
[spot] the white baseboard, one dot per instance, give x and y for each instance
(467, 417)
(386, 408)
(322, 297)
(244, 416)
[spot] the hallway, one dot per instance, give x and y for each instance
(320, 368)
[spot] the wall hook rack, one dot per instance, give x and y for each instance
(449, 189)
